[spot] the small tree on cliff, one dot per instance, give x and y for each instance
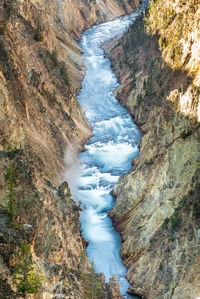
(93, 286)
(27, 278)
(10, 182)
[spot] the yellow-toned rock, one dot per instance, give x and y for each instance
(157, 206)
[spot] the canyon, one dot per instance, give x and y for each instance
(157, 208)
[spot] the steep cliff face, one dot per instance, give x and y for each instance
(41, 69)
(157, 206)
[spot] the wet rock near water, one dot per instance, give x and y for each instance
(114, 288)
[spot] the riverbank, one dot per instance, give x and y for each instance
(108, 153)
(41, 69)
(157, 203)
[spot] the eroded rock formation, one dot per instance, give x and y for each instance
(157, 206)
(41, 69)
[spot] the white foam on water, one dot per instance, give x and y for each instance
(94, 198)
(87, 171)
(93, 176)
(110, 154)
(118, 127)
(89, 113)
(99, 255)
(114, 125)
(88, 180)
(112, 148)
(106, 76)
(109, 178)
(109, 123)
(94, 229)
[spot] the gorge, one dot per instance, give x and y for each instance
(157, 208)
(108, 153)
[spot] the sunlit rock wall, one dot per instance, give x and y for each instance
(157, 206)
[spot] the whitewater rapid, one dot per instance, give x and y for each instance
(108, 153)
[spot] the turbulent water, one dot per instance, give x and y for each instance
(108, 153)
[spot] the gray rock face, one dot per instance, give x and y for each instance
(157, 203)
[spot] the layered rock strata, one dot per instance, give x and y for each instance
(41, 69)
(157, 207)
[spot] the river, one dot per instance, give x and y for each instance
(107, 155)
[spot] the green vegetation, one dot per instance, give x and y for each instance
(50, 96)
(173, 25)
(3, 27)
(62, 67)
(54, 57)
(135, 36)
(9, 6)
(149, 162)
(17, 200)
(162, 93)
(133, 83)
(165, 223)
(10, 183)
(175, 221)
(64, 74)
(196, 209)
(93, 285)
(185, 134)
(181, 204)
(162, 44)
(196, 206)
(148, 86)
(38, 37)
(27, 278)
(191, 192)
(161, 267)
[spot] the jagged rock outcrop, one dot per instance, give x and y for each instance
(157, 207)
(41, 69)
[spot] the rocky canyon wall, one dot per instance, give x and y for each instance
(41, 69)
(157, 207)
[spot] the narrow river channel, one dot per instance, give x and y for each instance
(108, 153)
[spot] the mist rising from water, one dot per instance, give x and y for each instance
(72, 172)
